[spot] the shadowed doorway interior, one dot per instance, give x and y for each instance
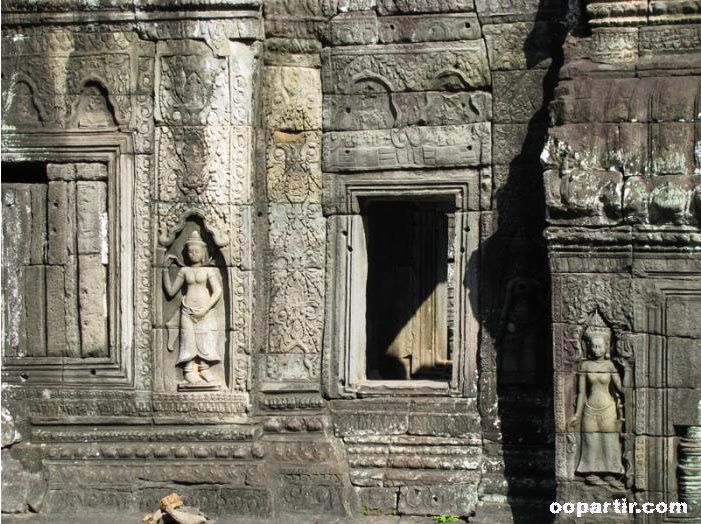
(409, 288)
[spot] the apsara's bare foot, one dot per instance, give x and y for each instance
(614, 483)
(192, 377)
(207, 375)
(595, 480)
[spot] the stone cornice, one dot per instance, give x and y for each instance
(27, 12)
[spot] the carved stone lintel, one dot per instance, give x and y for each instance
(467, 145)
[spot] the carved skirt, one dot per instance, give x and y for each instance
(199, 338)
(601, 446)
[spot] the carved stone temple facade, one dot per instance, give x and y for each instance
(351, 257)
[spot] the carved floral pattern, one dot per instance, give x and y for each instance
(193, 90)
(296, 318)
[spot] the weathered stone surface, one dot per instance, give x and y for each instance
(628, 100)
(39, 218)
(92, 293)
(293, 98)
(354, 28)
(499, 11)
(16, 225)
(428, 28)
(23, 490)
(381, 111)
(385, 7)
(35, 312)
(615, 46)
(431, 500)
(355, 5)
(683, 367)
(125, 126)
(309, 491)
(518, 95)
(297, 236)
(9, 434)
(353, 419)
(512, 141)
(293, 167)
(91, 224)
(55, 314)
(297, 311)
(378, 500)
(57, 222)
(399, 68)
(444, 146)
(519, 45)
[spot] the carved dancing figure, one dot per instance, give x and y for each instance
(598, 400)
(520, 331)
(195, 325)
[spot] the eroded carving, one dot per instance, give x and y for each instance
(453, 66)
(193, 90)
(466, 145)
(294, 174)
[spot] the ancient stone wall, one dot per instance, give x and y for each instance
(621, 187)
(288, 256)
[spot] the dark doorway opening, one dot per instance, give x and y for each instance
(410, 292)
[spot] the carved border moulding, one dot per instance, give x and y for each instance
(614, 45)
(620, 13)
(344, 336)
(428, 28)
(389, 110)
(161, 450)
(496, 12)
(153, 435)
(319, 489)
(467, 145)
(115, 150)
(404, 67)
(388, 7)
(208, 407)
(674, 11)
(283, 401)
(144, 260)
(78, 405)
(341, 192)
(216, 33)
